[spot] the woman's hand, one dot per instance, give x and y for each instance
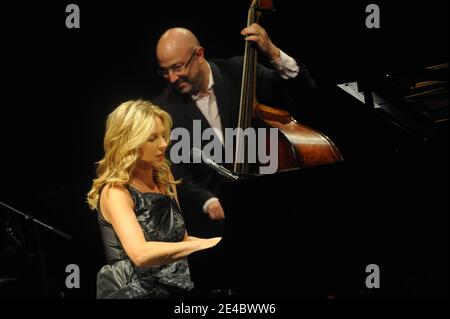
(206, 243)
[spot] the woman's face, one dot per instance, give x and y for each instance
(152, 152)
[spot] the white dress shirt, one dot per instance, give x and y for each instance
(286, 67)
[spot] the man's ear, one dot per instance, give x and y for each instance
(200, 54)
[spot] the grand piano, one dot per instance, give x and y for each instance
(289, 240)
(310, 233)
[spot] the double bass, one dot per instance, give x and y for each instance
(239, 261)
(299, 146)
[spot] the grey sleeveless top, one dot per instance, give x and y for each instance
(161, 220)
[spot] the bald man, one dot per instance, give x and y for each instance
(209, 91)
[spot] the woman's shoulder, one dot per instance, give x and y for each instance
(114, 198)
(115, 188)
(115, 192)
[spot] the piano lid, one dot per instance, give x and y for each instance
(416, 102)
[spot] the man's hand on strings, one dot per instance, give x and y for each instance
(256, 33)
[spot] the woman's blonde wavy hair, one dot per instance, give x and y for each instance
(127, 129)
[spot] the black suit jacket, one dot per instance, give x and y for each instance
(199, 181)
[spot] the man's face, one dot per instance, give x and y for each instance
(181, 69)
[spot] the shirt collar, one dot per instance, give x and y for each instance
(195, 97)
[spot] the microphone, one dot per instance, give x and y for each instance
(197, 153)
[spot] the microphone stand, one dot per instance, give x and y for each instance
(28, 217)
(45, 291)
(198, 154)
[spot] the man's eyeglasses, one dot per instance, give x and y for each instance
(177, 68)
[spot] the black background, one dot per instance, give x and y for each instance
(60, 84)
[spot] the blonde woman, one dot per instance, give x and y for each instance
(143, 231)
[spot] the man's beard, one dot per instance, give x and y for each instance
(186, 87)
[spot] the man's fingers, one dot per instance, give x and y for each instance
(252, 38)
(217, 213)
